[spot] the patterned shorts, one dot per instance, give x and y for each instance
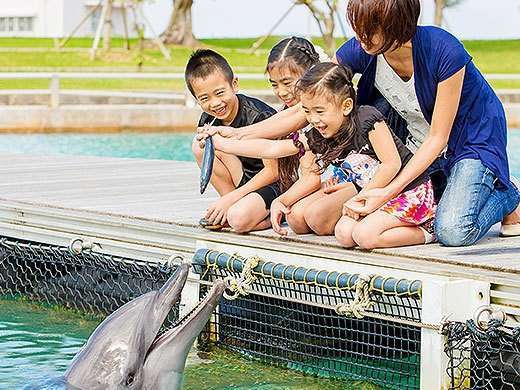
(414, 206)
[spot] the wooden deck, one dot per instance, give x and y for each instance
(142, 207)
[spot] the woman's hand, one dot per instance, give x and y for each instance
(278, 210)
(366, 202)
(347, 211)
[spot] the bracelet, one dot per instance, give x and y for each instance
(295, 137)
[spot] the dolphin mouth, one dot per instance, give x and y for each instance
(198, 316)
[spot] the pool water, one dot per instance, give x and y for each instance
(37, 343)
(164, 146)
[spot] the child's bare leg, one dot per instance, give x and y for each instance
(227, 169)
(343, 231)
(382, 230)
(323, 215)
(249, 214)
(296, 218)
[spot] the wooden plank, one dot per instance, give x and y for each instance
(167, 191)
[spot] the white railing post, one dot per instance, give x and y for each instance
(55, 91)
(456, 300)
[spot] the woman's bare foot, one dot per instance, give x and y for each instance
(513, 218)
(511, 223)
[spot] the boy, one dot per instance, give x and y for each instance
(246, 185)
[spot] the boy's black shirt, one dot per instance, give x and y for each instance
(250, 111)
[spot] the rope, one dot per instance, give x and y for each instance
(362, 301)
(237, 286)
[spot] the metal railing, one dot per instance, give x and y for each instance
(55, 91)
(55, 78)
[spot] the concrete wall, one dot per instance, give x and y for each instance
(31, 112)
(85, 118)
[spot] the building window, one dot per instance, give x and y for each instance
(10, 24)
(14, 24)
(25, 24)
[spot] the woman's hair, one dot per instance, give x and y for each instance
(298, 55)
(394, 20)
(335, 82)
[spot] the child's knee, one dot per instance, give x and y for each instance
(196, 149)
(343, 234)
(296, 221)
(317, 221)
(365, 237)
(239, 219)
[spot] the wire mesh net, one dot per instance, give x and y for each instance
(483, 358)
(295, 324)
(91, 282)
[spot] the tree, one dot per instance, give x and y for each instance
(325, 20)
(439, 9)
(179, 30)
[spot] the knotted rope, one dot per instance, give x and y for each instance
(361, 302)
(237, 286)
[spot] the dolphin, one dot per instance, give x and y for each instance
(125, 351)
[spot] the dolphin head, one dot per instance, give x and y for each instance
(115, 353)
(164, 365)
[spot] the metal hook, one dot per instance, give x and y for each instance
(78, 245)
(492, 314)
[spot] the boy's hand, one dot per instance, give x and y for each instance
(208, 129)
(278, 209)
(217, 212)
(224, 131)
(217, 140)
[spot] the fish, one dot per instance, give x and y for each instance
(208, 158)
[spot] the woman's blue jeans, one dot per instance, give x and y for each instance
(471, 204)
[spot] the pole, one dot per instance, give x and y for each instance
(165, 52)
(95, 44)
(259, 42)
(79, 25)
(125, 27)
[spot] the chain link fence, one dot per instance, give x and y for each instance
(86, 281)
(289, 316)
(483, 357)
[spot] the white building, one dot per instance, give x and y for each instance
(57, 18)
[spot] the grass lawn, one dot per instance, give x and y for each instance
(38, 54)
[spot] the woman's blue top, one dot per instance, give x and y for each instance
(479, 130)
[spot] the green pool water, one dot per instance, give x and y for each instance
(37, 343)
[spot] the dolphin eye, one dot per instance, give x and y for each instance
(130, 379)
